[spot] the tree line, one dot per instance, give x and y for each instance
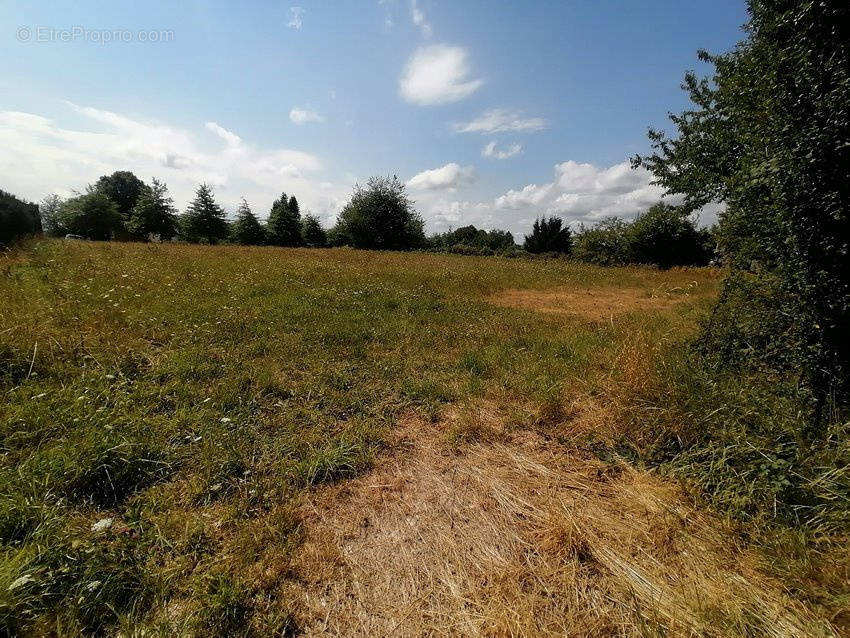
(378, 216)
(662, 235)
(121, 206)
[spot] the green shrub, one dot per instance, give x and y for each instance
(741, 442)
(606, 244)
(379, 216)
(17, 218)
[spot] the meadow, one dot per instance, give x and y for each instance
(237, 440)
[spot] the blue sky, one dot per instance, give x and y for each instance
(492, 112)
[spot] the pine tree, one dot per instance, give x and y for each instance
(204, 220)
(247, 229)
(284, 225)
(549, 235)
(313, 233)
(154, 213)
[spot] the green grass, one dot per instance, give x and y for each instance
(192, 393)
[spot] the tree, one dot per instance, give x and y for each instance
(204, 220)
(284, 225)
(123, 188)
(481, 241)
(92, 215)
(607, 243)
(549, 236)
(49, 209)
(247, 229)
(17, 217)
(667, 236)
(769, 136)
(499, 240)
(380, 216)
(313, 233)
(154, 213)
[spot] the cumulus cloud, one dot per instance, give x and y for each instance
(438, 74)
(39, 155)
(577, 192)
(491, 151)
(530, 195)
(450, 176)
(501, 120)
(419, 19)
(301, 116)
(573, 177)
(584, 192)
(231, 138)
(295, 15)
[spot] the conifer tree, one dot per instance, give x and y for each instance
(313, 233)
(284, 225)
(153, 213)
(204, 220)
(549, 235)
(247, 228)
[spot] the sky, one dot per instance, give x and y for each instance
(493, 113)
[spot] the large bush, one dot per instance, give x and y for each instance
(769, 135)
(606, 243)
(668, 236)
(473, 240)
(380, 216)
(664, 235)
(93, 216)
(17, 218)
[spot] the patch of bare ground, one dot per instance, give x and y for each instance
(515, 536)
(595, 304)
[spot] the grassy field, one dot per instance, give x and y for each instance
(186, 429)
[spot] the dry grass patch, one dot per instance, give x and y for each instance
(595, 304)
(517, 538)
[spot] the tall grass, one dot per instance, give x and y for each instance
(165, 406)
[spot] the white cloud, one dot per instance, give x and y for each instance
(501, 120)
(301, 116)
(295, 15)
(419, 19)
(438, 74)
(461, 213)
(491, 151)
(619, 178)
(231, 138)
(450, 176)
(530, 195)
(584, 192)
(39, 156)
(577, 193)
